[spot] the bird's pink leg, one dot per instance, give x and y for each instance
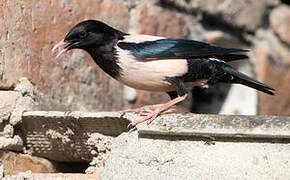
(167, 111)
(142, 110)
(146, 110)
(152, 111)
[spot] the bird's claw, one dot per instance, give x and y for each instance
(132, 124)
(125, 111)
(132, 129)
(122, 114)
(67, 113)
(150, 112)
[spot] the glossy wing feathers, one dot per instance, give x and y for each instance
(180, 48)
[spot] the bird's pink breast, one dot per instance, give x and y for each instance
(148, 74)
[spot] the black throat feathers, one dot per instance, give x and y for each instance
(106, 58)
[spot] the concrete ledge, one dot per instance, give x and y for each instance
(234, 126)
(79, 136)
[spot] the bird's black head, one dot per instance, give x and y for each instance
(87, 35)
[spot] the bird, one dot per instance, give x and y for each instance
(155, 63)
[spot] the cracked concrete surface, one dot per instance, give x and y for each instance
(133, 157)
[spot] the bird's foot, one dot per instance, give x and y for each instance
(152, 111)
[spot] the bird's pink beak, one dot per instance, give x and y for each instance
(59, 44)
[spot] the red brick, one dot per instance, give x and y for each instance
(14, 163)
(276, 75)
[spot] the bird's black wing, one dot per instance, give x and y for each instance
(180, 48)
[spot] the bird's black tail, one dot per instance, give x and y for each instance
(247, 81)
(228, 74)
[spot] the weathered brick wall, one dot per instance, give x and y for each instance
(29, 29)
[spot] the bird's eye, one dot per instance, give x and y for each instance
(83, 34)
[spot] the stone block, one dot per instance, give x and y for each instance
(71, 136)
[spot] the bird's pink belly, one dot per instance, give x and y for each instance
(154, 84)
(149, 75)
(146, 82)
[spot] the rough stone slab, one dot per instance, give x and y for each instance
(133, 157)
(70, 136)
(219, 126)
